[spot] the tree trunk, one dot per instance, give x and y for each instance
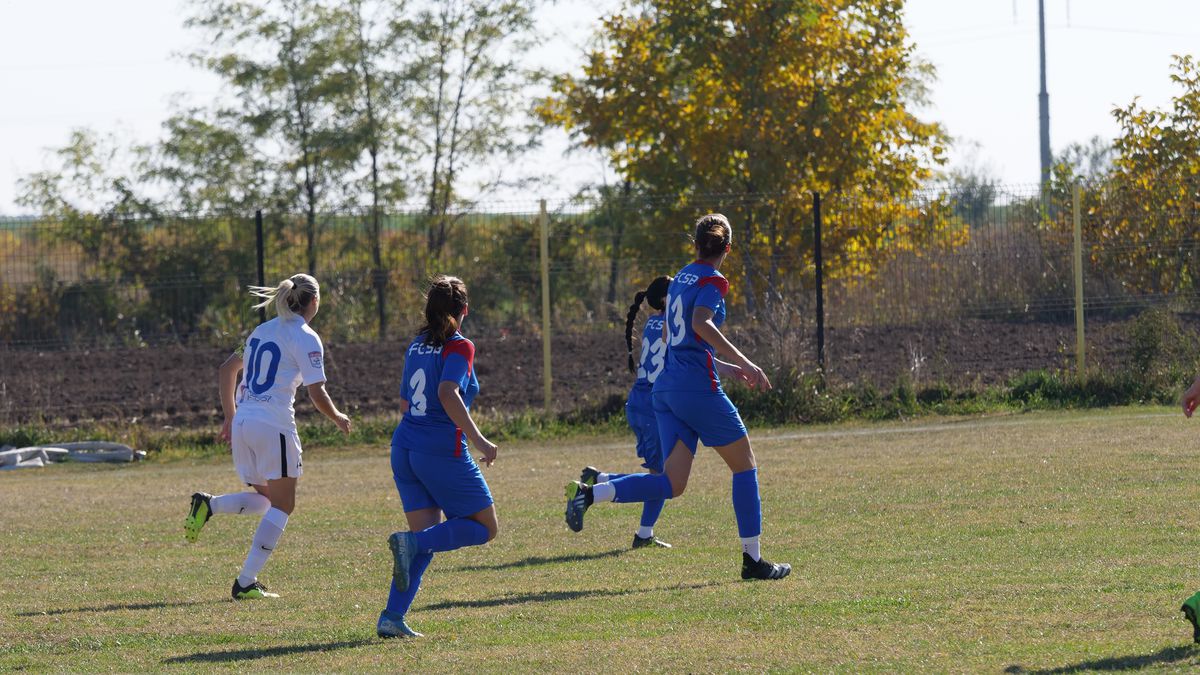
(618, 233)
(378, 276)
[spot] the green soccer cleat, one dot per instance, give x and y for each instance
(197, 516)
(392, 625)
(589, 475)
(579, 498)
(254, 591)
(1191, 609)
(763, 569)
(404, 549)
(651, 541)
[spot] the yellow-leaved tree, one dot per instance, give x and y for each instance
(1142, 226)
(749, 107)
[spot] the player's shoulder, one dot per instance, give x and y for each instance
(265, 328)
(714, 278)
(653, 322)
(301, 326)
(459, 344)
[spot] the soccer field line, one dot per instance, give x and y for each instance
(951, 426)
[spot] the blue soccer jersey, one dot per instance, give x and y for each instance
(650, 365)
(690, 364)
(426, 427)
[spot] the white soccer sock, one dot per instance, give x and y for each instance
(645, 532)
(750, 547)
(270, 528)
(602, 477)
(244, 503)
(603, 492)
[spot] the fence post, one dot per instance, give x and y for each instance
(379, 276)
(1080, 345)
(544, 226)
(817, 262)
(258, 239)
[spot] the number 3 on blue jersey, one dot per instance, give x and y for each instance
(419, 401)
(675, 325)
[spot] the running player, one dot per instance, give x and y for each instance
(639, 410)
(280, 355)
(690, 404)
(433, 469)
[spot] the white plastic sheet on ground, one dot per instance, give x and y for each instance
(80, 451)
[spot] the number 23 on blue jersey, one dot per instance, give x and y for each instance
(655, 353)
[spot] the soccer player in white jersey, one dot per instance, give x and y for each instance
(260, 421)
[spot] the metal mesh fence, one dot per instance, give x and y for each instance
(966, 285)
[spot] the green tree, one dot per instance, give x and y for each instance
(468, 99)
(764, 98)
(283, 60)
(375, 55)
(207, 163)
(137, 261)
(1089, 162)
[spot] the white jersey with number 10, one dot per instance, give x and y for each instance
(279, 356)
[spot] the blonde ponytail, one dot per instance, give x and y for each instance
(290, 297)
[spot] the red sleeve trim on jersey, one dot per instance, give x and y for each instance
(464, 348)
(721, 284)
(712, 372)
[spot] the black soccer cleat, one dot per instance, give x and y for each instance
(651, 541)
(579, 498)
(763, 569)
(198, 514)
(589, 475)
(255, 591)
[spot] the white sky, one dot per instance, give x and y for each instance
(112, 66)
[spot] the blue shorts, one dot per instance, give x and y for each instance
(452, 484)
(688, 415)
(645, 427)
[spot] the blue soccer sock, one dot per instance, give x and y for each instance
(747, 506)
(400, 602)
(651, 511)
(642, 487)
(450, 535)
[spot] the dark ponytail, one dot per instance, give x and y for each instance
(444, 303)
(654, 295)
(629, 319)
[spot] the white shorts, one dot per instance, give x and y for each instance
(263, 451)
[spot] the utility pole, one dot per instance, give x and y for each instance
(1043, 97)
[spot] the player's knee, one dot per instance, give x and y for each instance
(678, 486)
(493, 529)
(285, 504)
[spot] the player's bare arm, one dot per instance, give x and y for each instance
(323, 403)
(227, 379)
(1191, 398)
(452, 403)
(702, 324)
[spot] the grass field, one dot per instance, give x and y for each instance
(1045, 542)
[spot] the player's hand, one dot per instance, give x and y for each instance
(1191, 398)
(747, 378)
(342, 421)
(485, 446)
(225, 435)
(753, 375)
